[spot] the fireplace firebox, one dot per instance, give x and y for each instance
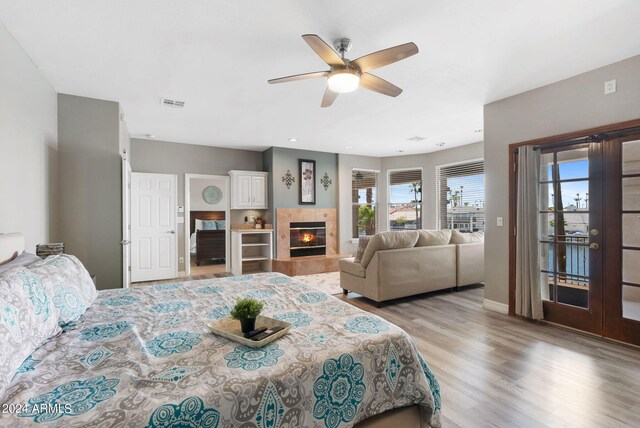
(308, 238)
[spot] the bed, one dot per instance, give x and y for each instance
(207, 245)
(144, 357)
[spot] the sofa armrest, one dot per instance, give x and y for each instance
(470, 263)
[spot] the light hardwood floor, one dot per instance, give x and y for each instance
(501, 371)
(496, 370)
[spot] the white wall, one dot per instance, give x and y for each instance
(28, 147)
(574, 104)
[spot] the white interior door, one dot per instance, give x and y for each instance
(153, 227)
(126, 223)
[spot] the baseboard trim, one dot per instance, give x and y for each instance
(492, 305)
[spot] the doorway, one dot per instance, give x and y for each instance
(207, 224)
(589, 231)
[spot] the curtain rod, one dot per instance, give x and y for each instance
(589, 139)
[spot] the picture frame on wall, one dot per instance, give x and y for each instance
(307, 181)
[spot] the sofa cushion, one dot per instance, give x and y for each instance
(389, 241)
(427, 238)
(362, 245)
(466, 238)
(352, 267)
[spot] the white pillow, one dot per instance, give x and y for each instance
(28, 318)
(68, 283)
(199, 225)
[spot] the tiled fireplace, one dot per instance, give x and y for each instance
(307, 238)
(306, 232)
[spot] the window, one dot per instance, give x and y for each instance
(405, 199)
(364, 197)
(461, 196)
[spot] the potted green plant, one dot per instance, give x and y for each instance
(246, 310)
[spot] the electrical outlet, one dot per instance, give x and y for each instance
(609, 87)
(181, 260)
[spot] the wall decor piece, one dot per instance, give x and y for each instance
(325, 181)
(212, 195)
(288, 179)
(307, 181)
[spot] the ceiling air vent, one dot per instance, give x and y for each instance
(171, 103)
(416, 138)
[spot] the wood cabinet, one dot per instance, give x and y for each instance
(249, 190)
(251, 250)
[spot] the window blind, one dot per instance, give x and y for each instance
(461, 203)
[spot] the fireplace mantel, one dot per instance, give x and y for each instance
(284, 217)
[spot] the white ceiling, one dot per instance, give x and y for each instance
(217, 56)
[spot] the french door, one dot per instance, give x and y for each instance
(590, 235)
(571, 233)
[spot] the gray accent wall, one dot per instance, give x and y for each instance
(90, 180)
(574, 104)
(28, 147)
(163, 157)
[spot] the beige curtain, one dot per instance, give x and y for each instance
(528, 276)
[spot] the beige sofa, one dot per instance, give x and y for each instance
(400, 264)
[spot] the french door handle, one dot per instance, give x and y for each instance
(594, 246)
(124, 242)
(173, 232)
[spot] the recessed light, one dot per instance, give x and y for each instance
(293, 140)
(153, 137)
(416, 138)
(440, 144)
(478, 130)
(348, 147)
(400, 151)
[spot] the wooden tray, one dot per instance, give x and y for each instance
(230, 328)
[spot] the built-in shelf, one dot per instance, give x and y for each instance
(251, 250)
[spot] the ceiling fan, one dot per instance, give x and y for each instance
(346, 75)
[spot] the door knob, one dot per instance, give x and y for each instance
(125, 242)
(173, 232)
(594, 246)
(593, 232)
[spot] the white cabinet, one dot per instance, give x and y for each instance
(251, 250)
(249, 190)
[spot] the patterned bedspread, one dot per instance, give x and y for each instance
(145, 357)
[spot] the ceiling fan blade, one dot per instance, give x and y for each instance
(385, 57)
(295, 77)
(329, 98)
(323, 50)
(374, 83)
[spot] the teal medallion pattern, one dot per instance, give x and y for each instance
(317, 338)
(260, 294)
(172, 343)
(392, 368)
(338, 391)
(312, 297)
(250, 359)
(168, 307)
(219, 312)
(366, 324)
(68, 302)
(297, 319)
(433, 384)
(10, 318)
(171, 322)
(280, 280)
(210, 289)
(36, 293)
(125, 300)
(190, 413)
(167, 287)
(28, 365)
(174, 374)
(95, 356)
(105, 331)
(72, 398)
(271, 409)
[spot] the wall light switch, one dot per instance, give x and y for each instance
(180, 209)
(609, 86)
(499, 222)
(180, 220)
(181, 260)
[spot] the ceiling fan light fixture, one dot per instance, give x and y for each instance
(344, 80)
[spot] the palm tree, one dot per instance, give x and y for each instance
(416, 188)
